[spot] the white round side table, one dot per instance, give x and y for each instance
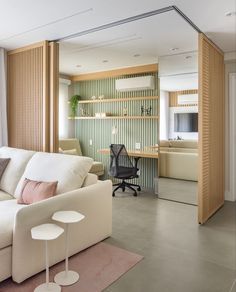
(67, 277)
(47, 232)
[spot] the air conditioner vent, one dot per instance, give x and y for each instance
(136, 83)
(184, 99)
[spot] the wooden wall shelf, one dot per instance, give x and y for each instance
(116, 117)
(118, 99)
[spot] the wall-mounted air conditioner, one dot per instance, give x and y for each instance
(136, 83)
(184, 99)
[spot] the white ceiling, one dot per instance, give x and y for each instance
(150, 38)
(26, 21)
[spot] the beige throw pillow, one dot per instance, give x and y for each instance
(3, 164)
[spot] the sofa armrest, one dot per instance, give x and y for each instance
(94, 201)
(90, 179)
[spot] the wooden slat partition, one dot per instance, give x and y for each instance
(211, 129)
(173, 97)
(54, 95)
(29, 95)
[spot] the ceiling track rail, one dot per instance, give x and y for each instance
(128, 20)
(185, 17)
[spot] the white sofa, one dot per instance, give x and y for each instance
(179, 159)
(22, 257)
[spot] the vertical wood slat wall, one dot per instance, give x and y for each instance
(29, 96)
(211, 129)
(173, 97)
(54, 94)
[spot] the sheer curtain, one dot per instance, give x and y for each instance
(3, 99)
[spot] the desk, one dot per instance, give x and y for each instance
(135, 153)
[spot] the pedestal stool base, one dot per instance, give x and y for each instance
(52, 287)
(63, 280)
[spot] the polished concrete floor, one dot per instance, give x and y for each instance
(179, 255)
(178, 190)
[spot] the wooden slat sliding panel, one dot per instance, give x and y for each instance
(54, 95)
(173, 97)
(211, 129)
(29, 97)
(26, 98)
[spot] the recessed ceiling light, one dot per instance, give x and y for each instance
(136, 55)
(105, 61)
(230, 13)
(78, 66)
(174, 49)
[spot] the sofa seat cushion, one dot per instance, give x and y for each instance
(97, 168)
(69, 170)
(15, 168)
(8, 210)
(5, 196)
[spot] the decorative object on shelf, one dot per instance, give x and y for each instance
(101, 97)
(125, 111)
(93, 97)
(83, 112)
(101, 115)
(120, 99)
(146, 111)
(74, 104)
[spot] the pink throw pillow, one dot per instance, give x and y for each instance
(34, 191)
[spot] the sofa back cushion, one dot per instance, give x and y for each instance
(70, 171)
(15, 168)
(184, 144)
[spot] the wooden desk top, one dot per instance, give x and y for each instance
(135, 153)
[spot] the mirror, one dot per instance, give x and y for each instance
(178, 151)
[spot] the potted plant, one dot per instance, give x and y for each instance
(74, 104)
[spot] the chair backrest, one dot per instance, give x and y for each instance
(119, 159)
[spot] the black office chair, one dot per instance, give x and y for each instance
(121, 167)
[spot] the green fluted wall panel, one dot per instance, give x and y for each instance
(129, 131)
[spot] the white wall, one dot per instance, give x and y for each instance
(183, 135)
(230, 194)
(66, 127)
(164, 115)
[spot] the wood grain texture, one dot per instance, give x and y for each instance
(211, 129)
(173, 98)
(54, 96)
(152, 68)
(29, 95)
(25, 99)
(118, 99)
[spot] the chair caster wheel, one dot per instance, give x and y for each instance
(135, 194)
(139, 189)
(113, 194)
(123, 189)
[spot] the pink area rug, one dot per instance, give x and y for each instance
(99, 266)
